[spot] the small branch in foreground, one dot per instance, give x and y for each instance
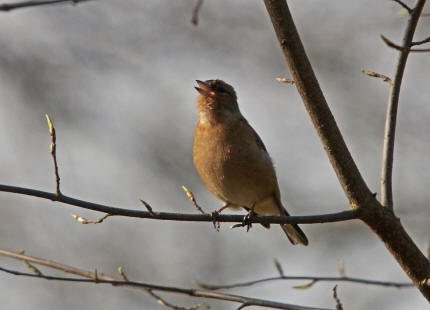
(148, 207)
(53, 151)
(308, 219)
(427, 40)
(88, 277)
(377, 75)
(163, 302)
(404, 5)
(190, 196)
(285, 80)
(196, 10)
(26, 4)
(404, 48)
(386, 182)
(83, 220)
(336, 298)
(313, 280)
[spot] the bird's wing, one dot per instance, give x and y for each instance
(256, 136)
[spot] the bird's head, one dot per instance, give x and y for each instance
(216, 96)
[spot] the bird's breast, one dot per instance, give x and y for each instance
(231, 163)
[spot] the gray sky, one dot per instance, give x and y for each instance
(117, 79)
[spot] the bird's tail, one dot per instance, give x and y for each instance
(294, 233)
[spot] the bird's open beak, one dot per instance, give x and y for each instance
(205, 89)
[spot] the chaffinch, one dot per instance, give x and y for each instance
(231, 159)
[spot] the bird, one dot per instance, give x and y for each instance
(231, 158)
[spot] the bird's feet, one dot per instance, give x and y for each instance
(215, 215)
(214, 219)
(247, 220)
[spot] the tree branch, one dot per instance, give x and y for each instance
(404, 5)
(393, 102)
(383, 222)
(99, 278)
(308, 87)
(53, 151)
(308, 219)
(26, 4)
(313, 280)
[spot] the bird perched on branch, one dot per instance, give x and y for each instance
(231, 159)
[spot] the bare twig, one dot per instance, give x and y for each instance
(122, 273)
(83, 220)
(336, 298)
(427, 40)
(159, 300)
(190, 196)
(377, 75)
(163, 302)
(285, 80)
(404, 5)
(386, 182)
(309, 219)
(405, 49)
(89, 277)
(26, 4)
(313, 280)
(341, 267)
(148, 207)
(278, 267)
(32, 268)
(53, 150)
(196, 10)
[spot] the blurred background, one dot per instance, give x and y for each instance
(117, 79)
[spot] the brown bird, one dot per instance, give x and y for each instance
(231, 159)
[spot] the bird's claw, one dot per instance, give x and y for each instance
(214, 220)
(247, 219)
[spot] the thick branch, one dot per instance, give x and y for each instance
(26, 4)
(393, 102)
(98, 278)
(347, 172)
(383, 223)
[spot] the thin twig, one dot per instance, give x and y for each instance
(341, 267)
(163, 302)
(83, 220)
(148, 207)
(308, 219)
(308, 278)
(88, 277)
(386, 182)
(53, 151)
(405, 49)
(427, 40)
(159, 300)
(190, 196)
(406, 7)
(278, 267)
(377, 75)
(285, 80)
(196, 10)
(26, 4)
(32, 268)
(336, 298)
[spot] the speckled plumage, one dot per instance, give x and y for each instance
(232, 160)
